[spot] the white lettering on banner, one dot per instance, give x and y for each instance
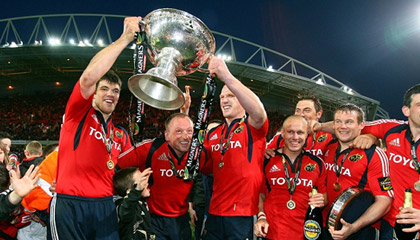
(233, 144)
(170, 173)
(401, 159)
(344, 171)
(282, 181)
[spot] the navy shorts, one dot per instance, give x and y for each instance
(73, 217)
(228, 228)
(386, 232)
(173, 228)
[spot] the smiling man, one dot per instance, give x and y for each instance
(169, 192)
(289, 178)
(89, 145)
(349, 167)
(309, 107)
(237, 154)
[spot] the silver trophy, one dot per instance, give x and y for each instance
(179, 44)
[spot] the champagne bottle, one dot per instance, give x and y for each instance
(313, 221)
(408, 202)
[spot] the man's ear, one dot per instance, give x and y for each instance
(406, 111)
(319, 114)
(362, 125)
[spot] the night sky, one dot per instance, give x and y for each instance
(371, 46)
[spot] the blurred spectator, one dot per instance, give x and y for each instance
(33, 154)
(24, 123)
(5, 138)
(4, 159)
(11, 210)
(37, 202)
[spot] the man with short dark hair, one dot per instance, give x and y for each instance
(348, 167)
(402, 140)
(90, 144)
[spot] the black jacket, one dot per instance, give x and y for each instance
(26, 163)
(134, 220)
(6, 207)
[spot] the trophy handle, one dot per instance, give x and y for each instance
(203, 70)
(142, 23)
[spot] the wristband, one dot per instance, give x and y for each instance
(260, 216)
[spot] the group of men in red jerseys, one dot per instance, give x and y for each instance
(277, 189)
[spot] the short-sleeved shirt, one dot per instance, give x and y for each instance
(168, 193)
(85, 168)
(366, 168)
(397, 137)
(236, 185)
(315, 143)
(285, 223)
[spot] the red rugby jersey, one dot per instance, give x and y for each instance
(366, 168)
(285, 223)
(84, 167)
(317, 146)
(397, 136)
(168, 193)
(236, 185)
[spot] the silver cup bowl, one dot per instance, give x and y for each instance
(179, 44)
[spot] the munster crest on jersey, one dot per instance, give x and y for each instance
(355, 157)
(310, 167)
(119, 134)
(322, 138)
(239, 129)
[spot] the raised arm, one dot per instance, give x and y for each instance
(104, 59)
(249, 101)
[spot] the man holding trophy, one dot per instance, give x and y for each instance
(236, 150)
(89, 147)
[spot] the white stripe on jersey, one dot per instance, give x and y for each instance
(380, 121)
(268, 143)
(137, 145)
(385, 166)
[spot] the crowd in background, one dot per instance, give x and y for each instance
(38, 116)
